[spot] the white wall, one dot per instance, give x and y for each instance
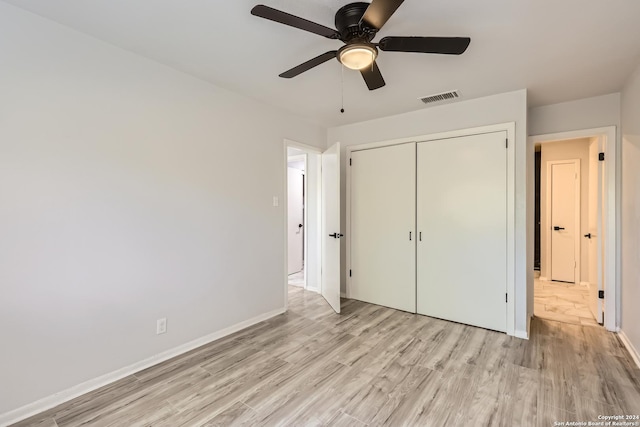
(121, 202)
(588, 113)
(630, 284)
(507, 107)
(566, 150)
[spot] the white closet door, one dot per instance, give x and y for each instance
(462, 218)
(383, 191)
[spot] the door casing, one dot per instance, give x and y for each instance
(611, 207)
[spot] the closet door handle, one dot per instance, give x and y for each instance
(420, 236)
(409, 236)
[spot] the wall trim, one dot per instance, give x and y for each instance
(63, 396)
(524, 334)
(635, 355)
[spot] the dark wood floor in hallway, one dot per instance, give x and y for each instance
(371, 365)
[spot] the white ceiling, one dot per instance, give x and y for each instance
(559, 50)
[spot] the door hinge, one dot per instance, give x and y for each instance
(349, 273)
(601, 157)
(506, 297)
(349, 162)
(601, 294)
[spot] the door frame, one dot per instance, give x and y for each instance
(577, 211)
(307, 149)
(608, 138)
(510, 129)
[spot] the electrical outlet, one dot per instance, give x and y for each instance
(161, 326)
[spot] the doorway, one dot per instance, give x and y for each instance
(302, 224)
(575, 193)
(312, 222)
(296, 166)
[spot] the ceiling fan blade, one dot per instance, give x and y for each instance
(373, 77)
(443, 45)
(379, 12)
(272, 14)
(306, 66)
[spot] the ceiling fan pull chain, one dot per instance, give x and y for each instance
(342, 88)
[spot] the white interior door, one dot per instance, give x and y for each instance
(295, 219)
(564, 196)
(593, 237)
(331, 226)
(462, 230)
(383, 194)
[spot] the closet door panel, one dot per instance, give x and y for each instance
(383, 234)
(462, 218)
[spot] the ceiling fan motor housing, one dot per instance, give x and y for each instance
(348, 23)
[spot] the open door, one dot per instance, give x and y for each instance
(331, 226)
(596, 230)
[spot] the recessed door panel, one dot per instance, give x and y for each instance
(383, 226)
(462, 229)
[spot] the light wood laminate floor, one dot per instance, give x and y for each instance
(371, 365)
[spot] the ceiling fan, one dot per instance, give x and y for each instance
(357, 25)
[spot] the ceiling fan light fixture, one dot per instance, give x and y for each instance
(357, 56)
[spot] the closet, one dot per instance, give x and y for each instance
(429, 228)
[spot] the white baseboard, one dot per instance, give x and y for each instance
(524, 334)
(632, 350)
(78, 390)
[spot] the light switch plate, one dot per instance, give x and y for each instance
(161, 326)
